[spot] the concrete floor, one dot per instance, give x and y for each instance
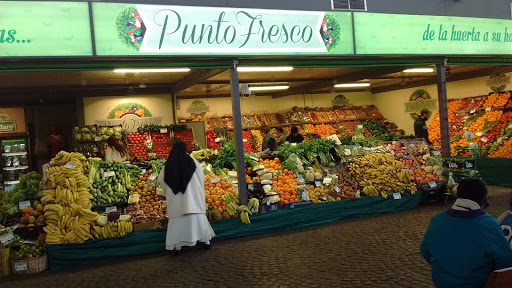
(380, 251)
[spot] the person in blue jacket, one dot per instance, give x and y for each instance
(464, 245)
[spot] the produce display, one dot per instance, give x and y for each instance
(68, 214)
(90, 140)
(109, 182)
(487, 117)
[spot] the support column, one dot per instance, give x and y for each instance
(237, 122)
(443, 109)
(79, 106)
(174, 113)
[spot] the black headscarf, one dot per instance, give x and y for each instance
(179, 168)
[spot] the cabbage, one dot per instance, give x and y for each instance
(104, 137)
(87, 137)
(118, 129)
(78, 137)
(110, 131)
(85, 130)
(93, 129)
(118, 135)
(76, 130)
(103, 130)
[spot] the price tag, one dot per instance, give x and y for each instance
(143, 171)
(97, 138)
(432, 184)
(348, 152)
(20, 266)
(469, 165)
(269, 200)
(327, 181)
(392, 152)
(294, 144)
(251, 186)
(337, 189)
(485, 140)
(109, 174)
(163, 130)
(244, 140)
(110, 209)
(479, 134)
(436, 153)
(318, 183)
(437, 118)
(300, 179)
(70, 165)
(488, 109)
(214, 180)
(397, 196)
(217, 140)
(6, 238)
(24, 204)
(472, 111)
(254, 158)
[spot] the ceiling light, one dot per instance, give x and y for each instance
(264, 69)
(265, 88)
(151, 70)
(419, 70)
(352, 85)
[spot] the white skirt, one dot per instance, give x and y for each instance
(187, 230)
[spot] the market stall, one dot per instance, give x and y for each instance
(356, 160)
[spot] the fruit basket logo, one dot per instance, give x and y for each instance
(129, 108)
(498, 81)
(198, 108)
(130, 28)
(330, 30)
(419, 100)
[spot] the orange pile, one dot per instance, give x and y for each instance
(490, 116)
(310, 128)
(215, 191)
(434, 129)
(497, 99)
(325, 130)
(271, 165)
(286, 186)
(505, 151)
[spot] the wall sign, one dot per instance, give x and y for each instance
(431, 35)
(419, 100)
(131, 108)
(127, 29)
(340, 100)
(12, 120)
(498, 81)
(37, 28)
(198, 108)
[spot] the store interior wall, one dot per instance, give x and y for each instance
(98, 108)
(253, 104)
(391, 104)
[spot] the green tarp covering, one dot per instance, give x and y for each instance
(149, 241)
(495, 171)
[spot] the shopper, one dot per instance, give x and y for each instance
(464, 244)
(505, 220)
(281, 136)
(269, 143)
(420, 126)
(295, 136)
(116, 150)
(182, 180)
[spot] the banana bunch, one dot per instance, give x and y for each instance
(381, 174)
(254, 203)
(64, 157)
(67, 208)
(112, 229)
(244, 213)
(229, 198)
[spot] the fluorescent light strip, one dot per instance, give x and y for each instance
(264, 88)
(152, 70)
(419, 70)
(264, 69)
(352, 85)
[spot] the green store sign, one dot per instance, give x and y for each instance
(37, 28)
(51, 29)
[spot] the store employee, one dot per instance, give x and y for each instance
(295, 136)
(269, 142)
(420, 126)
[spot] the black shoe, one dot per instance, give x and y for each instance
(177, 252)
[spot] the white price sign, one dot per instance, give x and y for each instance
(97, 138)
(70, 165)
(24, 204)
(6, 238)
(214, 180)
(318, 183)
(152, 177)
(397, 196)
(143, 171)
(20, 266)
(244, 140)
(469, 165)
(163, 130)
(472, 111)
(432, 184)
(488, 109)
(337, 189)
(110, 209)
(217, 140)
(109, 174)
(436, 153)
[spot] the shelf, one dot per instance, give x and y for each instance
(16, 168)
(11, 182)
(12, 135)
(15, 154)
